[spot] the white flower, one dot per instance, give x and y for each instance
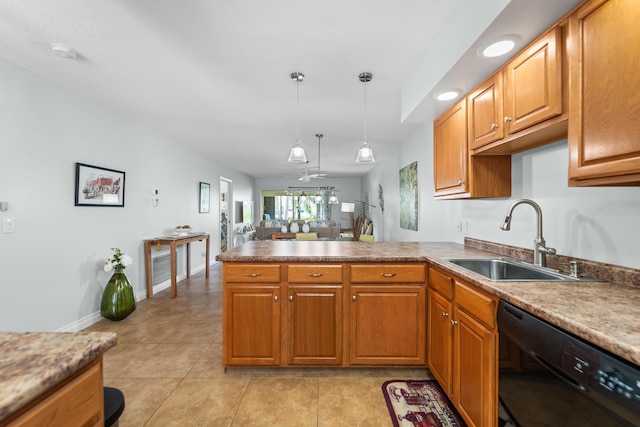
(126, 260)
(108, 266)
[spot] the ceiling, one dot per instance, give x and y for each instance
(215, 75)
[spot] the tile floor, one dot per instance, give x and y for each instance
(168, 363)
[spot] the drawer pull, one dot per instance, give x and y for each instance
(445, 314)
(315, 274)
(252, 274)
(388, 274)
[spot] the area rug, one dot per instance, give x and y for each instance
(419, 404)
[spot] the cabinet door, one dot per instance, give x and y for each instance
(315, 325)
(475, 389)
(251, 325)
(439, 357)
(387, 325)
(533, 83)
(450, 151)
(485, 112)
(604, 122)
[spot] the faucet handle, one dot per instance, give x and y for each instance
(546, 250)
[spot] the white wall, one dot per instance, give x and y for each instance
(596, 223)
(51, 275)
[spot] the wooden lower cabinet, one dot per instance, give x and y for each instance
(324, 314)
(387, 325)
(78, 401)
(463, 347)
(315, 325)
(251, 325)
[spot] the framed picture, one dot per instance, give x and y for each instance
(205, 193)
(96, 186)
(409, 197)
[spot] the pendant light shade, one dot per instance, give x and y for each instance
(297, 154)
(365, 153)
(333, 200)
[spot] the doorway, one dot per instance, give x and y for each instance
(225, 206)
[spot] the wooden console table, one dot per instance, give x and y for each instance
(173, 242)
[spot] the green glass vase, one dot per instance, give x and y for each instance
(118, 300)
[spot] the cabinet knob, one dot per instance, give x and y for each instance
(454, 322)
(290, 297)
(494, 126)
(353, 298)
(252, 274)
(460, 182)
(507, 119)
(445, 314)
(275, 298)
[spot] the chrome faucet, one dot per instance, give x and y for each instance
(540, 251)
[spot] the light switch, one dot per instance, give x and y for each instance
(8, 225)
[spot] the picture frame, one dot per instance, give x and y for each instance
(98, 186)
(204, 195)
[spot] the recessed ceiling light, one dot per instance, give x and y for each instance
(63, 51)
(447, 95)
(498, 46)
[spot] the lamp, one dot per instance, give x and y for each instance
(303, 197)
(333, 200)
(297, 154)
(365, 153)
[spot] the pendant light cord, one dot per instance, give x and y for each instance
(365, 111)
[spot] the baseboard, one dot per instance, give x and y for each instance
(92, 318)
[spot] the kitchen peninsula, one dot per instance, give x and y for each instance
(348, 304)
(605, 313)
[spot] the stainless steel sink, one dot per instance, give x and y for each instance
(501, 269)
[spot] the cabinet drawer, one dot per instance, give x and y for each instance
(252, 273)
(315, 273)
(440, 282)
(388, 273)
(477, 304)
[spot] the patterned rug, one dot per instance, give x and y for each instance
(419, 404)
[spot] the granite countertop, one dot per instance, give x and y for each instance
(31, 363)
(604, 313)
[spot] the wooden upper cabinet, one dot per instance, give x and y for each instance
(450, 151)
(485, 112)
(533, 81)
(604, 123)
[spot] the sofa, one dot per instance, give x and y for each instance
(325, 229)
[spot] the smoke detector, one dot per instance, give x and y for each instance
(63, 51)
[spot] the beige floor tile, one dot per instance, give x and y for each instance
(278, 401)
(142, 397)
(166, 361)
(352, 402)
(201, 402)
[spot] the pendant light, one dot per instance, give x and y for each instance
(318, 194)
(365, 153)
(297, 154)
(333, 200)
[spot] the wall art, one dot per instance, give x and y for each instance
(205, 197)
(409, 197)
(97, 186)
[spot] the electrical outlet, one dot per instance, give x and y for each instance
(459, 227)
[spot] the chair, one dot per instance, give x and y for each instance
(306, 236)
(367, 238)
(113, 406)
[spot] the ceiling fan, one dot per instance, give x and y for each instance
(307, 177)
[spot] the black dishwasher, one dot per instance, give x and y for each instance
(562, 380)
